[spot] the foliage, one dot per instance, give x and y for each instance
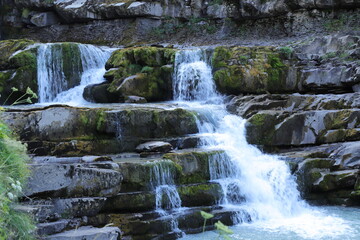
(13, 172)
(27, 97)
(221, 228)
(286, 51)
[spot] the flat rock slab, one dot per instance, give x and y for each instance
(88, 233)
(154, 146)
(67, 180)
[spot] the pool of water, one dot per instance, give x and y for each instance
(335, 223)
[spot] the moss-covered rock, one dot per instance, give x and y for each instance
(18, 69)
(261, 128)
(200, 194)
(249, 70)
(8, 48)
(141, 71)
(193, 165)
(336, 181)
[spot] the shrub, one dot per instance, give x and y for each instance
(13, 173)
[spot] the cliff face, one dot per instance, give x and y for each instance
(214, 21)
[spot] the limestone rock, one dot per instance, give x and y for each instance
(44, 19)
(71, 181)
(154, 146)
(135, 99)
(88, 232)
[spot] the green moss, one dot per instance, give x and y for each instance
(195, 189)
(276, 74)
(220, 57)
(337, 120)
(72, 63)
(261, 129)
(100, 120)
(150, 71)
(258, 119)
(9, 47)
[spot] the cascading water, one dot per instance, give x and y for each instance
(162, 176)
(260, 185)
(162, 180)
(65, 70)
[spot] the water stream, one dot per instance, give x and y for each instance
(252, 181)
(64, 70)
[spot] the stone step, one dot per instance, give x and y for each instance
(63, 130)
(106, 176)
(50, 228)
(88, 233)
(188, 220)
(205, 194)
(48, 211)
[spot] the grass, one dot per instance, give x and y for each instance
(13, 173)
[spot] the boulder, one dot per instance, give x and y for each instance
(144, 72)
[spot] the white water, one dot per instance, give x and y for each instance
(53, 87)
(162, 180)
(259, 184)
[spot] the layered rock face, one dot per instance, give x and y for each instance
(124, 21)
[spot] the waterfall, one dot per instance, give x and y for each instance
(258, 183)
(193, 77)
(65, 69)
(162, 176)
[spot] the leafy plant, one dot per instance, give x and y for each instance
(221, 228)
(27, 97)
(13, 172)
(206, 216)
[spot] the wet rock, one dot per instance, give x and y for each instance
(154, 146)
(88, 232)
(135, 99)
(144, 72)
(96, 159)
(336, 180)
(98, 93)
(194, 164)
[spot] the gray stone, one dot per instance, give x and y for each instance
(154, 146)
(71, 181)
(135, 99)
(78, 207)
(44, 19)
(88, 233)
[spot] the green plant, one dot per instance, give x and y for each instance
(27, 97)
(221, 228)
(13, 172)
(205, 216)
(286, 51)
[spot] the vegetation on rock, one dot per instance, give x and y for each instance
(13, 173)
